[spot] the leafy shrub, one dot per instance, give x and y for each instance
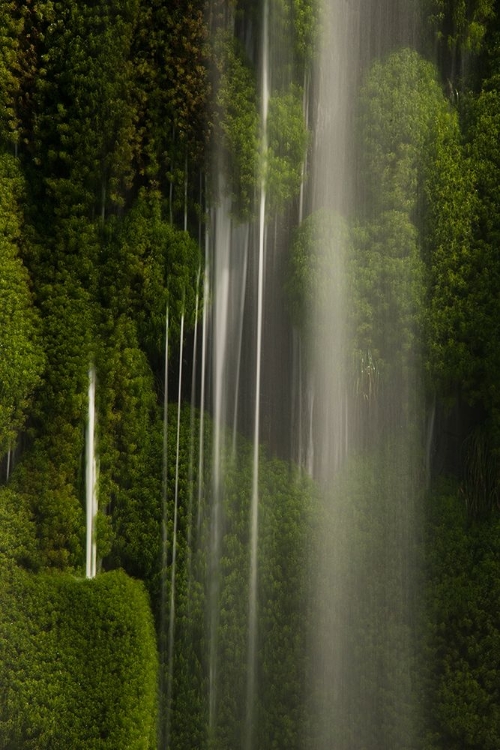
(79, 665)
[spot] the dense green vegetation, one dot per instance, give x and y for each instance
(79, 665)
(109, 116)
(287, 521)
(463, 637)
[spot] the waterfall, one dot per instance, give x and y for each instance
(220, 324)
(192, 425)
(254, 508)
(240, 289)
(91, 481)
(359, 460)
(201, 450)
(163, 640)
(366, 468)
(173, 564)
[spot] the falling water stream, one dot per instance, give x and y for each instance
(359, 601)
(91, 481)
(254, 507)
(163, 641)
(173, 563)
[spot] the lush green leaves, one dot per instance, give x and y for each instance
(462, 24)
(287, 141)
(21, 357)
(400, 101)
(462, 626)
(148, 265)
(78, 663)
(239, 121)
(317, 265)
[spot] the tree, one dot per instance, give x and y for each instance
(399, 103)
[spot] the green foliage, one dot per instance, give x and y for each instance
(404, 128)
(103, 98)
(129, 465)
(186, 73)
(10, 28)
(187, 671)
(305, 24)
(287, 141)
(236, 101)
(239, 122)
(84, 125)
(78, 663)
(387, 280)
(463, 235)
(460, 25)
(482, 290)
(399, 103)
(462, 626)
(288, 510)
(378, 272)
(47, 484)
(294, 26)
(18, 544)
(147, 265)
(50, 471)
(21, 358)
(453, 265)
(364, 574)
(318, 256)
(285, 525)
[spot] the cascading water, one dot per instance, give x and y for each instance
(173, 564)
(351, 436)
(192, 427)
(254, 506)
(163, 641)
(365, 454)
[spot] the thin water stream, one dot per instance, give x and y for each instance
(91, 481)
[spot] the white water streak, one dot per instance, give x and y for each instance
(171, 618)
(90, 481)
(220, 334)
(201, 457)
(239, 345)
(186, 194)
(164, 529)
(254, 511)
(165, 452)
(191, 424)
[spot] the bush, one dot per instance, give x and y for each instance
(78, 661)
